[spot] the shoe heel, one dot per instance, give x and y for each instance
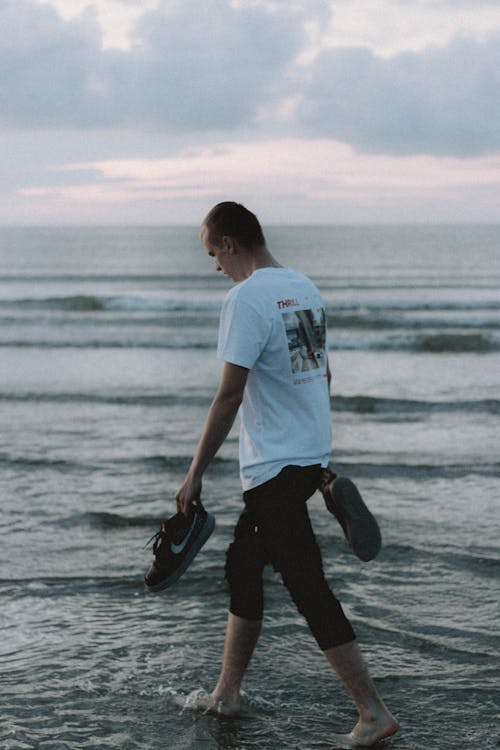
(360, 527)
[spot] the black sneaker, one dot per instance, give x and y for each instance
(360, 528)
(176, 545)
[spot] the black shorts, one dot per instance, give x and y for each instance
(275, 528)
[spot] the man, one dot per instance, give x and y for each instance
(272, 341)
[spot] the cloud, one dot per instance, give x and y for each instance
(388, 27)
(283, 180)
(453, 4)
(319, 169)
(116, 17)
(47, 66)
(206, 65)
(247, 66)
(192, 65)
(443, 100)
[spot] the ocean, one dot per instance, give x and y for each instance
(107, 369)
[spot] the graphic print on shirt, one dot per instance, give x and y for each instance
(306, 334)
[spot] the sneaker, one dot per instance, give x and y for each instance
(360, 528)
(176, 545)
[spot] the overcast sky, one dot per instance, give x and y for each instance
(331, 111)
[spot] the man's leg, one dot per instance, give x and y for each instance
(241, 638)
(375, 721)
(295, 553)
(244, 565)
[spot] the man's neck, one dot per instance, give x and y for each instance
(261, 258)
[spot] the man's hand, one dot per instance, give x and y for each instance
(188, 495)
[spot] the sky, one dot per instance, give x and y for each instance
(307, 111)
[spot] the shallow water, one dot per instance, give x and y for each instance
(107, 368)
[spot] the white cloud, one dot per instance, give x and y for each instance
(324, 173)
(50, 70)
(214, 65)
(384, 26)
(334, 110)
(193, 66)
(387, 27)
(117, 18)
(262, 162)
(444, 100)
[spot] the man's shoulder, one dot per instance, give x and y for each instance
(271, 278)
(262, 287)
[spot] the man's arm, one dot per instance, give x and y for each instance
(219, 421)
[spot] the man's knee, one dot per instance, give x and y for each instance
(316, 602)
(306, 584)
(244, 576)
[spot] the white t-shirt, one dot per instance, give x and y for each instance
(273, 323)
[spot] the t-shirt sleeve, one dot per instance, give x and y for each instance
(243, 332)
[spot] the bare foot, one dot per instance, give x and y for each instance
(369, 731)
(199, 700)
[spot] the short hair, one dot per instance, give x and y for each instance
(234, 220)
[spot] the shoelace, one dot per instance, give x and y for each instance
(157, 537)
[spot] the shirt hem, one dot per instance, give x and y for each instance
(273, 469)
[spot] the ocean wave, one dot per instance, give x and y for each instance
(354, 312)
(181, 279)
(386, 320)
(161, 463)
(380, 405)
(358, 403)
(465, 342)
(482, 564)
(176, 462)
(450, 552)
(140, 318)
(430, 343)
(36, 462)
(180, 463)
(91, 343)
(39, 463)
(55, 586)
(417, 472)
(113, 520)
(123, 303)
(138, 399)
(410, 305)
(105, 520)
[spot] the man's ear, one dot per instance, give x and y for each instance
(229, 244)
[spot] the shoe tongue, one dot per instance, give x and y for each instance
(178, 526)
